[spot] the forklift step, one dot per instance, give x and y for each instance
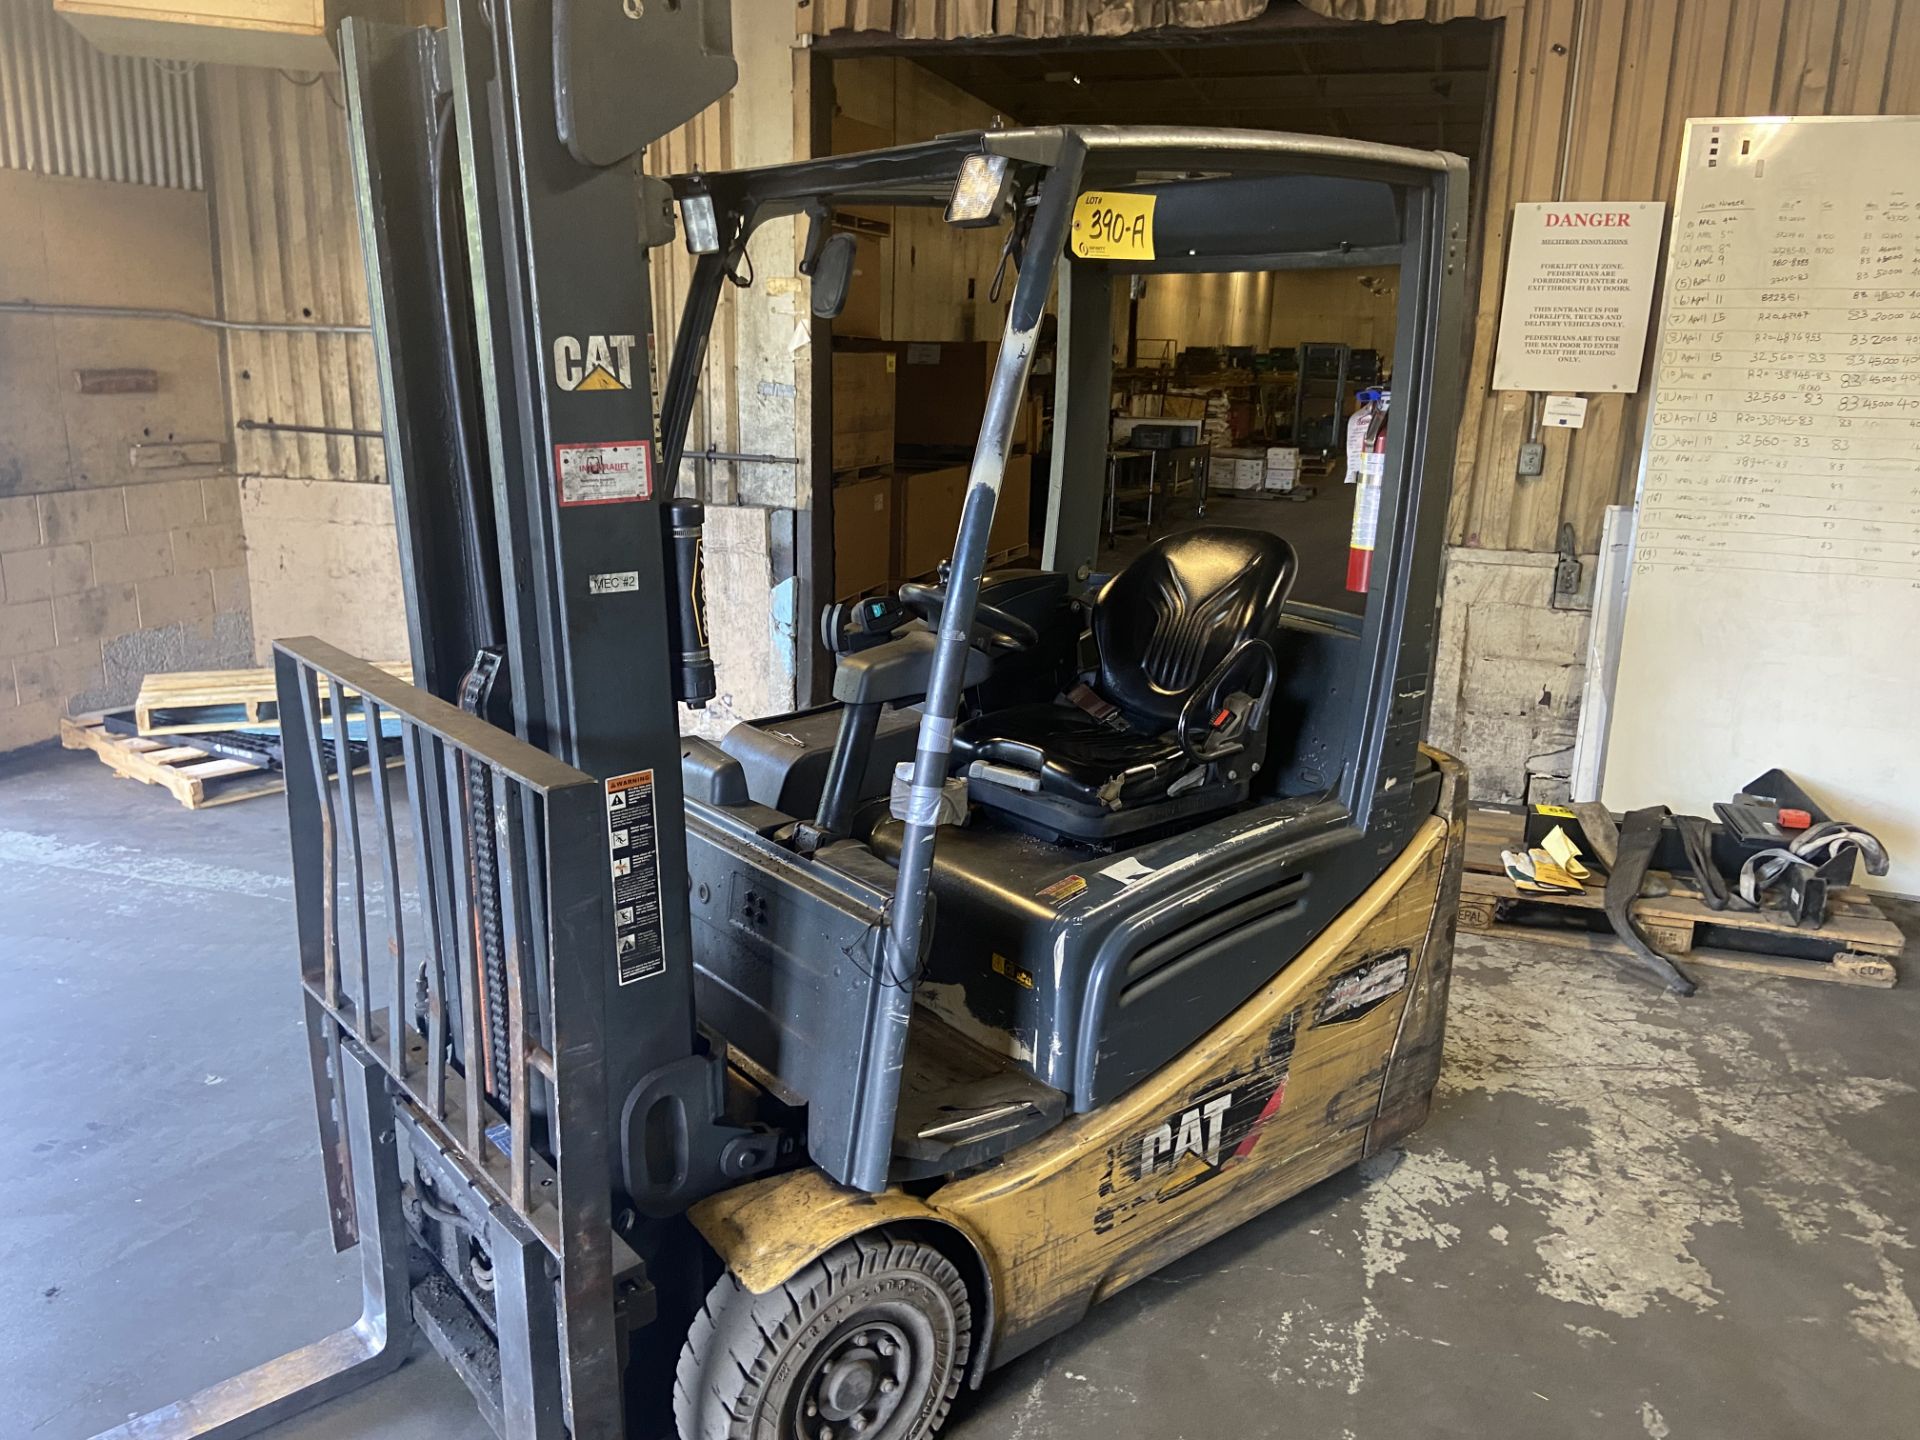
(962, 1104)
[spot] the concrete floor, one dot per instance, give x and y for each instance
(1630, 1215)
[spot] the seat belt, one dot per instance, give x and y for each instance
(1084, 698)
(1639, 835)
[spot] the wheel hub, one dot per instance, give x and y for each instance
(857, 1384)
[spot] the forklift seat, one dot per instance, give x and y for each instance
(1176, 621)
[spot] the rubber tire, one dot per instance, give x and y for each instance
(731, 1383)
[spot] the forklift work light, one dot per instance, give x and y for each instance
(703, 230)
(979, 193)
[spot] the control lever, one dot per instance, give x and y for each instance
(855, 625)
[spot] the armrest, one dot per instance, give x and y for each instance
(896, 671)
(1256, 657)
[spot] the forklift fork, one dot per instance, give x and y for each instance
(522, 1169)
(376, 1343)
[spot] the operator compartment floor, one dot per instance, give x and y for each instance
(961, 1104)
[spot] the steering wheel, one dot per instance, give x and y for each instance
(994, 630)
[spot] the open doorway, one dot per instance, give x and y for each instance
(1249, 379)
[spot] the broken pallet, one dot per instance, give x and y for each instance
(193, 777)
(190, 702)
(1856, 946)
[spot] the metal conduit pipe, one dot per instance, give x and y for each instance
(278, 427)
(880, 1082)
(183, 317)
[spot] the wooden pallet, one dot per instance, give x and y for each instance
(191, 702)
(193, 777)
(1856, 946)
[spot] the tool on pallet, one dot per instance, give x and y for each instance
(724, 1088)
(1773, 847)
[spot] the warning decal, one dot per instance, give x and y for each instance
(639, 946)
(604, 473)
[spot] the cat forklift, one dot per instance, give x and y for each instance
(781, 1087)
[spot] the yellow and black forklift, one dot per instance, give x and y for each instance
(781, 1087)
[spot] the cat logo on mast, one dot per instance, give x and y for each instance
(602, 362)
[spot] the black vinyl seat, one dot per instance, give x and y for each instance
(1074, 754)
(1171, 628)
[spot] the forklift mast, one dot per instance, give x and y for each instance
(504, 225)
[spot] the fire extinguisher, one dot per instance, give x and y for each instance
(1366, 493)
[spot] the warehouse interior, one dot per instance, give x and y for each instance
(1589, 1102)
(915, 290)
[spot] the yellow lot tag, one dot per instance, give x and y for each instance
(1112, 226)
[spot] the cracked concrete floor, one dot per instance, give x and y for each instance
(1629, 1215)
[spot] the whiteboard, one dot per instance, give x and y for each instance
(1773, 609)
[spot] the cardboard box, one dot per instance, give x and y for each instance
(862, 536)
(862, 408)
(930, 514)
(942, 391)
(930, 503)
(1238, 469)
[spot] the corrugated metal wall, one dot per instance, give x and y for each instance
(67, 109)
(1644, 68)
(289, 250)
(289, 247)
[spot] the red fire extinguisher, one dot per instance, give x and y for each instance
(1366, 493)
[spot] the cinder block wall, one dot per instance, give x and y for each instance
(109, 568)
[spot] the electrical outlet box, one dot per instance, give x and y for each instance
(1533, 459)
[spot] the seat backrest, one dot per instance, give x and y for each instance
(1180, 607)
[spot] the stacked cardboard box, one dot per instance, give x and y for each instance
(863, 409)
(863, 518)
(929, 518)
(1282, 468)
(1210, 407)
(1238, 469)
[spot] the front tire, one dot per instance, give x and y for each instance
(869, 1342)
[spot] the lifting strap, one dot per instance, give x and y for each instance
(1639, 834)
